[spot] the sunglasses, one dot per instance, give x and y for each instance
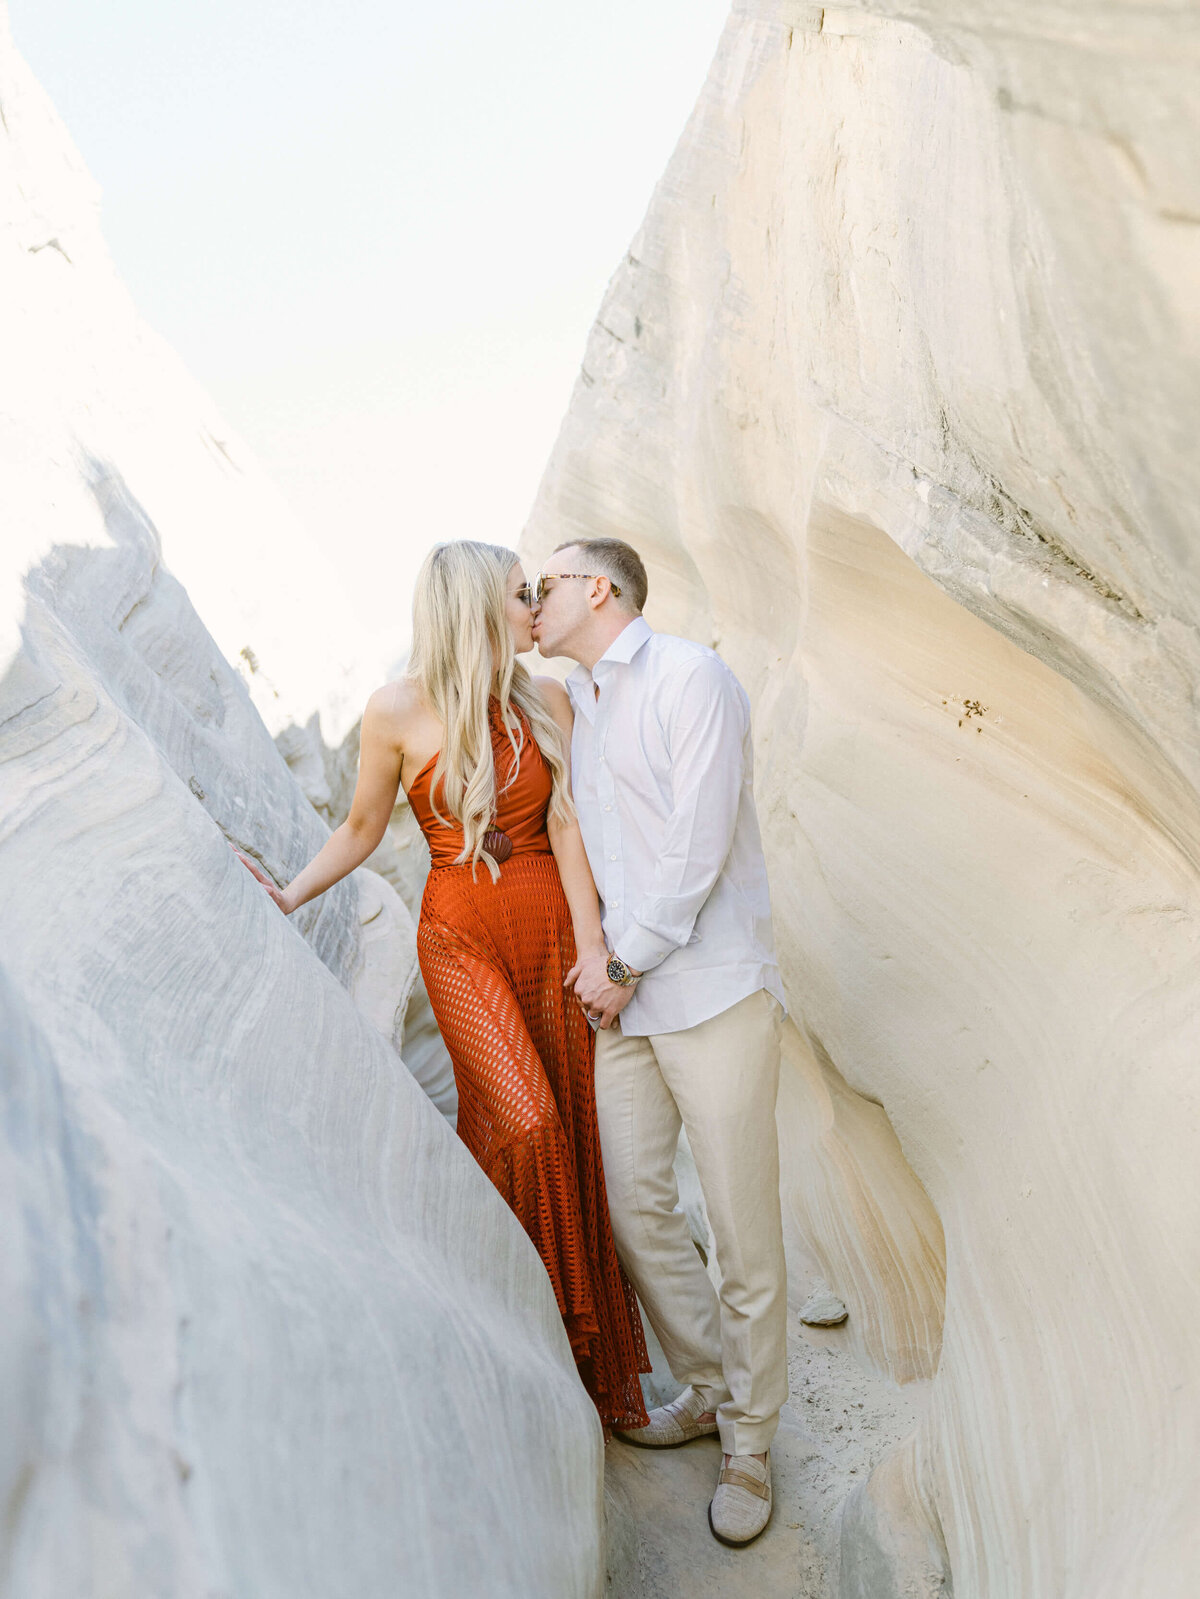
(534, 593)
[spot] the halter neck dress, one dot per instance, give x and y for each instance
(494, 956)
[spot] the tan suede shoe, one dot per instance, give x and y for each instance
(673, 1424)
(741, 1506)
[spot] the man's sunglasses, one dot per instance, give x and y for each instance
(534, 593)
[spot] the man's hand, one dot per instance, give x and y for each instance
(589, 978)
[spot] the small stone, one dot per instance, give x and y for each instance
(823, 1309)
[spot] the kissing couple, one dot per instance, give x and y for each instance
(595, 936)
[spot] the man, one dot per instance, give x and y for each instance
(661, 768)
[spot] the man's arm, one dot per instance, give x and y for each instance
(706, 727)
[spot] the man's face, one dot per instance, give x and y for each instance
(563, 608)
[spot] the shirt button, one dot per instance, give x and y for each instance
(616, 905)
(608, 807)
(612, 857)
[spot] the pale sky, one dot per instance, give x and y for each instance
(377, 233)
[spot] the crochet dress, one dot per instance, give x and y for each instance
(494, 957)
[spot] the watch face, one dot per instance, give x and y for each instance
(617, 970)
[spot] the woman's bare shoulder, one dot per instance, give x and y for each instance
(558, 701)
(396, 705)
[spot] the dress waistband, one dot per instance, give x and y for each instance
(517, 855)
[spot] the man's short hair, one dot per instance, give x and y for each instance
(620, 563)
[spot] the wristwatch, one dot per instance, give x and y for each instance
(619, 973)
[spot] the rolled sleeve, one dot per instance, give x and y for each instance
(643, 949)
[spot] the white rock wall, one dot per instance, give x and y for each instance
(267, 1329)
(86, 375)
(895, 390)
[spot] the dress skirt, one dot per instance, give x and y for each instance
(494, 956)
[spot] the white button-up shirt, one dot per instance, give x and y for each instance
(662, 773)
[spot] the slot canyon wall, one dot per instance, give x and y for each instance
(893, 390)
(267, 1329)
(896, 390)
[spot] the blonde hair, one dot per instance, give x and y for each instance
(462, 647)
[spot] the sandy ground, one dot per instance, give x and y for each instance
(838, 1424)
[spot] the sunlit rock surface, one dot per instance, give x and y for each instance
(267, 1329)
(82, 371)
(896, 392)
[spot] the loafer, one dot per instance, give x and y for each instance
(673, 1424)
(741, 1506)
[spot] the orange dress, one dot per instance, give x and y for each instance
(494, 956)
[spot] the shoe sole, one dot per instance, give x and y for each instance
(640, 1443)
(739, 1543)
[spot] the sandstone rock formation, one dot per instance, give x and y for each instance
(267, 1329)
(895, 390)
(85, 368)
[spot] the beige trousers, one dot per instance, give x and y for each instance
(720, 1079)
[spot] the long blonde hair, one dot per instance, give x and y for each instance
(462, 652)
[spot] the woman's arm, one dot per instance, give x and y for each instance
(374, 796)
(567, 841)
(578, 885)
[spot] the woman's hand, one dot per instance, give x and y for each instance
(586, 959)
(279, 895)
(602, 1000)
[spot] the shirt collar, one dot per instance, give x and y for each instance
(627, 642)
(620, 652)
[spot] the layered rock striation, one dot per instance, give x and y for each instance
(893, 392)
(267, 1329)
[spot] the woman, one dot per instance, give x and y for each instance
(480, 749)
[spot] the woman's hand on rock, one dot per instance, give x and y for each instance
(279, 895)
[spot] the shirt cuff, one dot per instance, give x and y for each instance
(641, 949)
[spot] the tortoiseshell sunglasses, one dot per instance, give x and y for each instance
(534, 593)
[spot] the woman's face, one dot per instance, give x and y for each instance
(518, 612)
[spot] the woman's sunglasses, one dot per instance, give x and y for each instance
(534, 593)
